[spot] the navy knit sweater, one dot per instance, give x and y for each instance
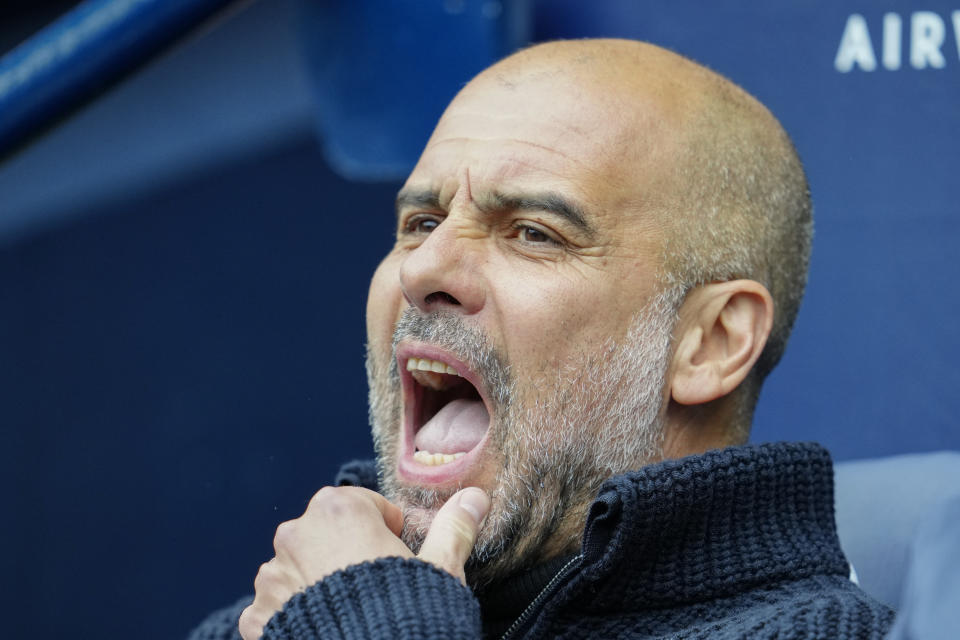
(734, 543)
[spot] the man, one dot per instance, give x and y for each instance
(599, 257)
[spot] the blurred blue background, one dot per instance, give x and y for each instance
(184, 263)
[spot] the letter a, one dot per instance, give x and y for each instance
(855, 46)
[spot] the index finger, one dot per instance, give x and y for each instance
(392, 514)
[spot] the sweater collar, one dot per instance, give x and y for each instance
(501, 604)
(709, 526)
(695, 528)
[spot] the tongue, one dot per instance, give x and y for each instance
(458, 426)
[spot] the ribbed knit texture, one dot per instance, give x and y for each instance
(735, 543)
(501, 604)
(713, 525)
(222, 624)
(420, 602)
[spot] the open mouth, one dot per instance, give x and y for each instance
(447, 417)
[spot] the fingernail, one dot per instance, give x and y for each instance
(475, 502)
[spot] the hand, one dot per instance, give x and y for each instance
(347, 525)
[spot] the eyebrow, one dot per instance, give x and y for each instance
(417, 199)
(548, 201)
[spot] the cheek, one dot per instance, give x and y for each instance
(384, 301)
(544, 321)
(556, 321)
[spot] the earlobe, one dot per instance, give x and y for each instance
(723, 329)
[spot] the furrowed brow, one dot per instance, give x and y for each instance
(552, 202)
(413, 198)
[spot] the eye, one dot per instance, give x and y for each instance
(535, 235)
(421, 224)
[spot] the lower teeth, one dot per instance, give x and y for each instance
(435, 459)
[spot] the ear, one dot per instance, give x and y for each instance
(723, 328)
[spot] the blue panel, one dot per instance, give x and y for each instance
(179, 374)
(385, 69)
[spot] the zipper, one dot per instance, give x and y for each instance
(547, 591)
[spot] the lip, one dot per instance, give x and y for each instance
(409, 469)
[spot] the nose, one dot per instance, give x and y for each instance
(444, 272)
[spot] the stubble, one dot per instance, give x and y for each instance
(557, 439)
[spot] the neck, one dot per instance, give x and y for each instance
(693, 429)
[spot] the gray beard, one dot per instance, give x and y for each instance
(600, 415)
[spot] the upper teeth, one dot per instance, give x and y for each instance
(424, 364)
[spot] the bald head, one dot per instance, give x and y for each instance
(706, 163)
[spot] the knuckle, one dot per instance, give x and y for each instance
(333, 502)
(462, 531)
(286, 535)
(449, 543)
(248, 624)
(323, 496)
(263, 576)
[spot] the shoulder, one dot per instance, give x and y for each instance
(817, 607)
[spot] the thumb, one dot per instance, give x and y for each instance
(454, 530)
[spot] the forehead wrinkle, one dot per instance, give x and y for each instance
(500, 139)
